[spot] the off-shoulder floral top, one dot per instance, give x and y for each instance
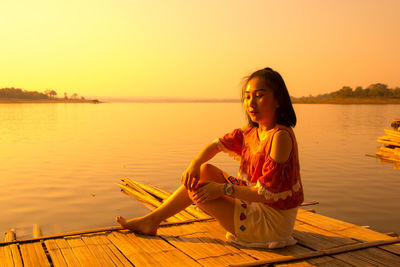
(280, 183)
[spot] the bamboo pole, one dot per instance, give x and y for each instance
(393, 234)
(320, 253)
(160, 193)
(310, 210)
(10, 235)
(140, 196)
(37, 231)
(309, 203)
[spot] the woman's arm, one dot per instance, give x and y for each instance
(249, 193)
(280, 152)
(191, 175)
(207, 153)
(213, 190)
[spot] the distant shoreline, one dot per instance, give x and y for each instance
(42, 101)
(333, 100)
(347, 100)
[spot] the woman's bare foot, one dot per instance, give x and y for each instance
(143, 225)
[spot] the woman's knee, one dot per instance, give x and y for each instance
(207, 168)
(209, 172)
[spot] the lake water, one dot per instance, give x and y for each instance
(59, 163)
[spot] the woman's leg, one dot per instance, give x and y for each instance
(148, 224)
(221, 208)
(180, 200)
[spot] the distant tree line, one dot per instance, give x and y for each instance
(19, 93)
(372, 91)
(24, 94)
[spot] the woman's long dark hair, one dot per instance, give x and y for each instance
(285, 114)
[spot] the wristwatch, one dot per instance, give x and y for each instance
(229, 189)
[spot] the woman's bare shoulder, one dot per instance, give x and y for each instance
(281, 146)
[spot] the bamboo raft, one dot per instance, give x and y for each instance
(192, 238)
(390, 151)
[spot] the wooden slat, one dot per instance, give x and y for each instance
(387, 142)
(55, 253)
(345, 229)
(6, 257)
(160, 193)
(392, 133)
(321, 221)
(117, 257)
(317, 238)
(149, 250)
(320, 261)
(82, 252)
(390, 137)
(270, 254)
(33, 254)
(67, 252)
(98, 251)
(16, 255)
(204, 243)
(139, 196)
(309, 203)
(360, 233)
(326, 252)
(371, 256)
(224, 260)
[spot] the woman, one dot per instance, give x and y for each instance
(258, 209)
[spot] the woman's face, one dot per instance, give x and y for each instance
(260, 102)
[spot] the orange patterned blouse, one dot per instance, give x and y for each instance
(280, 183)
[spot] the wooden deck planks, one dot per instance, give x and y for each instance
(321, 261)
(204, 242)
(98, 251)
(224, 260)
(149, 250)
(55, 253)
(346, 229)
(317, 238)
(113, 253)
(201, 243)
(321, 221)
(373, 256)
(349, 232)
(268, 254)
(6, 257)
(33, 255)
(83, 253)
(13, 251)
(67, 252)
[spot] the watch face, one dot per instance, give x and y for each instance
(229, 189)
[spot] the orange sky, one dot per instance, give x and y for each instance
(196, 48)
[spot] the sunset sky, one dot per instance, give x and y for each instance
(196, 48)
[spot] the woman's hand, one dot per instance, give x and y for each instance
(191, 176)
(208, 191)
